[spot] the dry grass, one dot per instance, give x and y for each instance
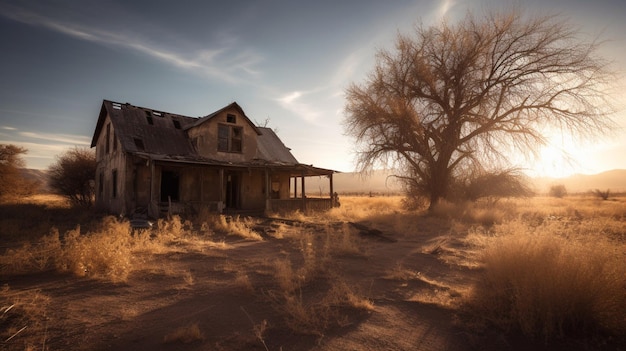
(313, 297)
(23, 319)
(555, 277)
(237, 226)
(109, 252)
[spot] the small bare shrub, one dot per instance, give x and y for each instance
(604, 195)
(558, 191)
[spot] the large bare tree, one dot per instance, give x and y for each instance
(455, 98)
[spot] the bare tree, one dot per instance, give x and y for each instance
(72, 175)
(462, 98)
(12, 182)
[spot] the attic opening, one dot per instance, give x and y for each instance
(176, 124)
(230, 118)
(170, 184)
(149, 118)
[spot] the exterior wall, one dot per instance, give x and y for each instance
(205, 138)
(109, 196)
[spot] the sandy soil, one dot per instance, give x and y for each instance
(414, 282)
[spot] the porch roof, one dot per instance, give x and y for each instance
(295, 169)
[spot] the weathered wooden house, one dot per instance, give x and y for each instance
(156, 162)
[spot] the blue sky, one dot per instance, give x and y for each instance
(288, 62)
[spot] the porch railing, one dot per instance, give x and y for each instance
(302, 205)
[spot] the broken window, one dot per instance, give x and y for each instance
(176, 124)
(139, 144)
(229, 138)
(230, 118)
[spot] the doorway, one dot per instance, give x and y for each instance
(170, 184)
(233, 190)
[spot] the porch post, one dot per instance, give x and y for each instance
(332, 196)
(220, 204)
(303, 195)
(268, 189)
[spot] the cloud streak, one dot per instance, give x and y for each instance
(225, 62)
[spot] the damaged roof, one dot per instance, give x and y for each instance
(162, 136)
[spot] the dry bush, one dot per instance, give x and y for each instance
(105, 254)
(547, 285)
(185, 335)
(108, 252)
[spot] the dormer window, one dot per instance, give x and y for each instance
(229, 138)
(230, 118)
(176, 124)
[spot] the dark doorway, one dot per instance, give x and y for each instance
(169, 186)
(233, 190)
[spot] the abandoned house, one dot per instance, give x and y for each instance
(155, 163)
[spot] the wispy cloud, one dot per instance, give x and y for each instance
(58, 138)
(226, 62)
(293, 102)
(8, 128)
(444, 7)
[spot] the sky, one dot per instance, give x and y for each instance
(286, 63)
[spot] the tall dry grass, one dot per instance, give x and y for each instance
(109, 252)
(311, 295)
(553, 278)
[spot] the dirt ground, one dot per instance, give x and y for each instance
(226, 296)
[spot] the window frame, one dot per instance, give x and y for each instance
(229, 138)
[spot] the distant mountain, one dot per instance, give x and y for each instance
(382, 182)
(379, 182)
(614, 180)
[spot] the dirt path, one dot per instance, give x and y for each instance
(225, 294)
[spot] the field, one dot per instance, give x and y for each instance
(541, 273)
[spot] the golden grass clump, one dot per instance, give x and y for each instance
(238, 226)
(104, 254)
(549, 285)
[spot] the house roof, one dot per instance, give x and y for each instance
(162, 136)
(234, 105)
(141, 129)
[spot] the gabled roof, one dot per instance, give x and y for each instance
(233, 105)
